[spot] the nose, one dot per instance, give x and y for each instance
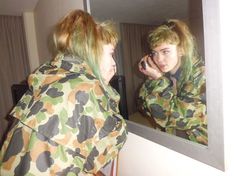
(159, 58)
(113, 63)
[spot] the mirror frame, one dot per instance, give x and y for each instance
(213, 153)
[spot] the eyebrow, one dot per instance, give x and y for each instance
(162, 49)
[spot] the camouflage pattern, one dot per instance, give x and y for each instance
(68, 124)
(177, 111)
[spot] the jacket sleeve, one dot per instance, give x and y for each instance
(102, 129)
(182, 110)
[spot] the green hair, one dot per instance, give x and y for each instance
(177, 32)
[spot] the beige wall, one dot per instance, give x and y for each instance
(142, 157)
(47, 13)
(31, 40)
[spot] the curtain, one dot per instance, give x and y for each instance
(14, 65)
(134, 47)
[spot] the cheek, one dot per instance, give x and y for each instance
(106, 65)
(176, 61)
(173, 61)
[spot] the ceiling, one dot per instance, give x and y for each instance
(16, 7)
(129, 11)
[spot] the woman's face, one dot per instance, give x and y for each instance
(107, 64)
(167, 57)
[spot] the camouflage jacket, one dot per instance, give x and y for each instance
(68, 124)
(176, 111)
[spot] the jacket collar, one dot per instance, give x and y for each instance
(72, 63)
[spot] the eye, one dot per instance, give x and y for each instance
(153, 54)
(165, 52)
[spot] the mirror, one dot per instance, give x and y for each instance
(134, 28)
(200, 20)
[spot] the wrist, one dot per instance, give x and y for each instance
(156, 75)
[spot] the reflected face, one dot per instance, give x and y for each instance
(107, 64)
(167, 57)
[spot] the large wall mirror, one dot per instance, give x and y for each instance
(134, 20)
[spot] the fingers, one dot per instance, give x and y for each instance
(142, 64)
(148, 67)
(151, 63)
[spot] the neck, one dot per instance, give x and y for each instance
(174, 70)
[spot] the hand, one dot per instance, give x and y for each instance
(149, 68)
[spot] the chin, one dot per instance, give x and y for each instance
(164, 70)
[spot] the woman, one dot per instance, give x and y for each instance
(174, 93)
(68, 122)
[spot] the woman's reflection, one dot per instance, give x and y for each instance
(174, 93)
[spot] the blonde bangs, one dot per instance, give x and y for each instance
(108, 33)
(162, 35)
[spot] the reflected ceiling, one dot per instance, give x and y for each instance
(139, 11)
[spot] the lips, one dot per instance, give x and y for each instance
(162, 66)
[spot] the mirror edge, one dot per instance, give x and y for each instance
(87, 6)
(213, 154)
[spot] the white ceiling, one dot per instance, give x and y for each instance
(16, 7)
(129, 11)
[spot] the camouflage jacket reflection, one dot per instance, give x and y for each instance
(177, 111)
